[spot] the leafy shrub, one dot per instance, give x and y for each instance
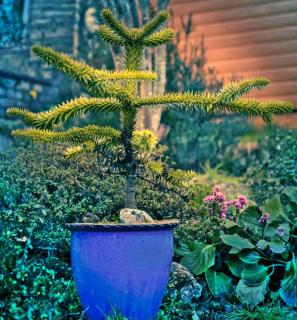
(196, 140)
(252, 246)
(273, 164)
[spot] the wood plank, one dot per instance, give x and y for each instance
(242, 26)
(278, 74)
(261, 10)
(259, 50)
(214, 5)
(246, 38)
(275, 89)
(289, 97)
(250, 64)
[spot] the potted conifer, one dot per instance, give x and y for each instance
(125, 266)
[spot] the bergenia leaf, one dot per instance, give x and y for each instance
(235, 266)
(236, 241)
(249, 219)
(200, 259)
(275, 209)
(277, 246)
(291, 193)
(254, 274)
(218, 282)
(249, 256)
(262, 244)
(288, 290)
(252, 295)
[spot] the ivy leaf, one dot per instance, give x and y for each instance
(236, 241)
(200, 259)
(252, 295)
(277, 246)
(249, 257)
(235, 266)
(254, 274)
(288, 290)
(218, 282)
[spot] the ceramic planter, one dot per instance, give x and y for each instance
(122, 267)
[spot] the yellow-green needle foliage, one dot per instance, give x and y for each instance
(118, 91)
(73, 135)
(66, 111)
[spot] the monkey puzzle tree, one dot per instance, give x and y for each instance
(119, 91)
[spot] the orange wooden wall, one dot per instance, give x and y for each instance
(248, 38)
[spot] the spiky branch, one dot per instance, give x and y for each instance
(117, 91)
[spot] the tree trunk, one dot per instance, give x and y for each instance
(130, 190)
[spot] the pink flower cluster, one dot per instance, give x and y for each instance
(265, 218)
(217, 197)
(239, 203)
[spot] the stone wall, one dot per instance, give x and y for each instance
(24, 81)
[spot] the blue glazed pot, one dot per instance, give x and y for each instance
(123, 267)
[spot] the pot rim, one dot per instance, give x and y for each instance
(157, 225)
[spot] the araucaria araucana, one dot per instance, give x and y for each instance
(118, 91)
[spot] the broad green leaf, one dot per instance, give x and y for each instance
(236, 241)
(234, 250)
(277, 246)
(185, 248)
(235, 266)
(252, 295)
(262, 244)
(201, 259)
(291, 193)
(275, 209)
(249, 219)
(286, 227)
(218, 282)
(254, 274)
(288, 290)
(271, 231)
(230, 224)
(249, 257)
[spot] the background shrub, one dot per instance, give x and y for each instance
(274, 163)
(195, 140)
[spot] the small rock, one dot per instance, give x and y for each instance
(182, 280)
(134, 216)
